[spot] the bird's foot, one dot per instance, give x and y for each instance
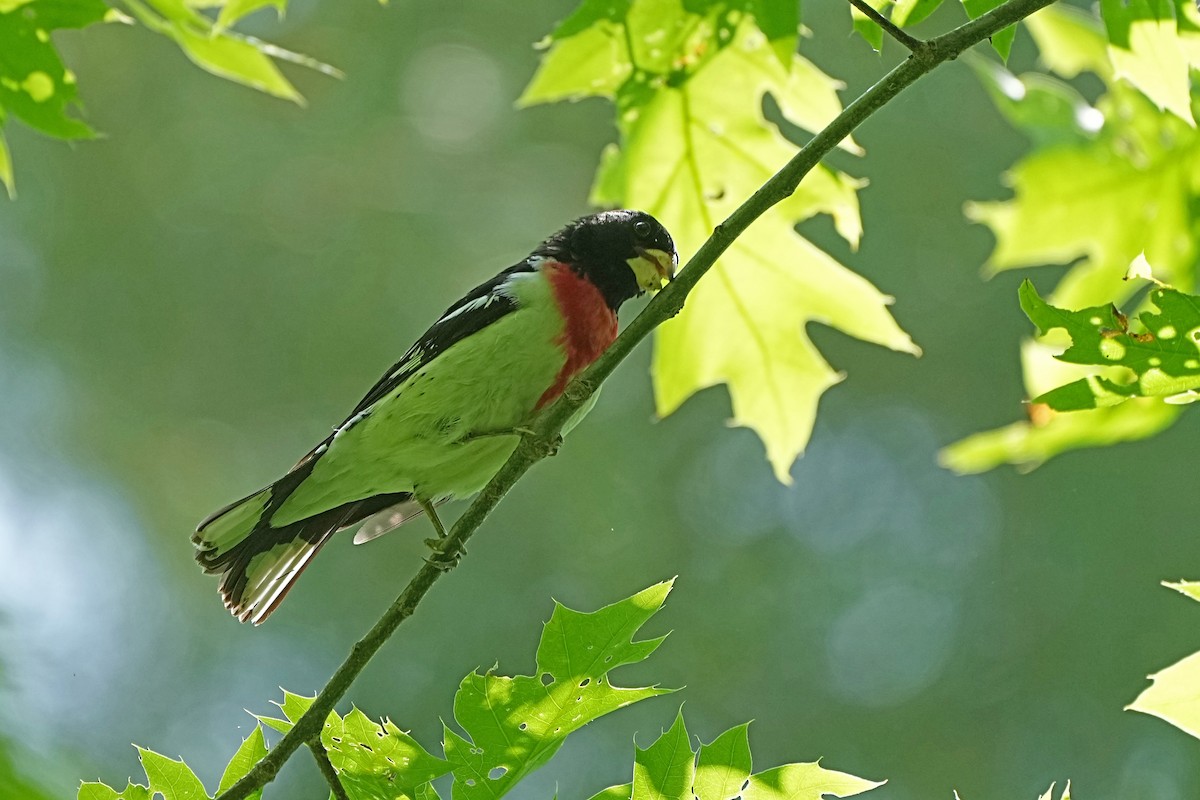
(444, 557)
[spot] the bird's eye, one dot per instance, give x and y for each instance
(642, 228)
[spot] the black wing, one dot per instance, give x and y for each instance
(479, 308)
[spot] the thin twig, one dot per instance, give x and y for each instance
(540, 441)
(893, 30)
(326, 767)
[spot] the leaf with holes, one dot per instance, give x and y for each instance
(1113, 188)
(514, 725)
(669, 770)
(1161, 358)
(694, 145)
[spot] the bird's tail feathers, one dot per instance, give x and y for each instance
(259, 563)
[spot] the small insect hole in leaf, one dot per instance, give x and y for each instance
(469, 781)
(497, 773)
(584, 682)
(523, 725)
(547, 679)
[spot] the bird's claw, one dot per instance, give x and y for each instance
(442, 558)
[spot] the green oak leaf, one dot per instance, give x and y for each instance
(1147, 48)
(805, 782)
(694, 144)
(293, 707)
(233, 10)
(901, 12)
(866, 27)
(621, 792)
(35, 86)
(665, 769)
(670, 770)
(252, 749)
(723, 767)
(910, 12)
(1163, 358)
(1122, 194)
(1002, 41)
(516, 724)
(94, 790)
(379, 761)
(1049, 793)
(1174, 694)
(6, 168)
(1070, 41)
(1187, 588)
(174, 780)
(1048, 111)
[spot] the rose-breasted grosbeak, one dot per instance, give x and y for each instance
(443, 420)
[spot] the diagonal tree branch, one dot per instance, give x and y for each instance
(891, 28)
(326, 766)
(542, 439)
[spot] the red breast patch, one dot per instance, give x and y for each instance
(589, 325)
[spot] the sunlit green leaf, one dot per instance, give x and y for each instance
(1100, 203)
(1174, 695)
(174, 780)
(100, 791)
(1049, 111)
(1070, 41)
(622, 792)
(1002, 41)
(910, 12)
(516, 724)
(375, 761)
(234, 10)
(866, 27)
(664, 770)
(6, 170)
(693, 146)
(805, 782)
(724, 766)
(293, 707)
(249, 752)
(1146, 50)
(237, 60)
(1159, 359)
(35, 85)
(1189, 588)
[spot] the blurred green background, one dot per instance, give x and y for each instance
(189, 303)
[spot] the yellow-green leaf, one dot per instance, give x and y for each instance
(805, 782)
(235, 59)
(1146, 50)
(691, 150)
(1189, 588)
(234, 10)
(6, 169)
(1174, 695)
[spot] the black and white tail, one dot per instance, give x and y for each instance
(259, 563)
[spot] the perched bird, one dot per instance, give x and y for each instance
(444, 419)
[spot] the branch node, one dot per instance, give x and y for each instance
(913, 44)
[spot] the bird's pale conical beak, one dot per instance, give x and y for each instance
(653, 268)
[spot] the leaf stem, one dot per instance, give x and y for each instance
(326, 767)
(892, 29)
(541, 440)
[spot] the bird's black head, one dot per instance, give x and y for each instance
(623, 253)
